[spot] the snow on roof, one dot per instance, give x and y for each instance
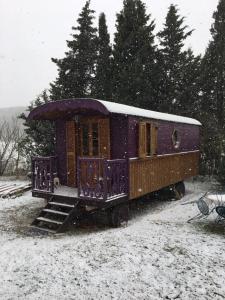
(135, 111)
(61, 108)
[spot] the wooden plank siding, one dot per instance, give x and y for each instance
(151, 174)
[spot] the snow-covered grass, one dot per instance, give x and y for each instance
(157, 256)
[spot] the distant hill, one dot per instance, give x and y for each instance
(9, 113)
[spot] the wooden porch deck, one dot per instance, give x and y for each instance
(71, 192)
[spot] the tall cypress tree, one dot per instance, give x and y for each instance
(189, 102)
(76, 70)
(213, 95)
(213, 68)
(134, 63)
(173, 58)
(103, 78)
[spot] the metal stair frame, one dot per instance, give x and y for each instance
(70, 216)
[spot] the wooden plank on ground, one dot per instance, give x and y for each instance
(2, 186)
(7, 188)
(19, 191)
(14, 190)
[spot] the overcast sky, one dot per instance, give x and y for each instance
(31, 32)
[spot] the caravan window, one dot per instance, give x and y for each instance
(176, 139)
(148, 134)
(85, 139)
(148, 139)
(94, 137)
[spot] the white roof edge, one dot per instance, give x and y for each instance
(118, 108)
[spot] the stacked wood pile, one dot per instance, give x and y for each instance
(13, 190)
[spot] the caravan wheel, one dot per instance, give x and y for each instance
(119, 215)
(179, 190)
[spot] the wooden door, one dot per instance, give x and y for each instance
(71, 153)
(94, 137)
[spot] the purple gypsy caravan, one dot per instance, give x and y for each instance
(106, 155)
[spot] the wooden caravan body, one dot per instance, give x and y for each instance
(108, 152)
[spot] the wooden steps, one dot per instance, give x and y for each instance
(55, 212)
(49, 220)
(61, 204)
(42, 229)
(56, 216)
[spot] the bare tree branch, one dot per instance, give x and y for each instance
(10, 137)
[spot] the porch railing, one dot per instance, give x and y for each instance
(102, 179)
(44, 169)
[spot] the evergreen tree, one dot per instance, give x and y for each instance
(76, 70)
(189, 89)
(103, 79)
(40, 135)
(213, 68)
(173, 59)
(213, 96)
(75, 79)
(134, 64)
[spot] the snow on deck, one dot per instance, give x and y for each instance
(157, 256)
(66, 191)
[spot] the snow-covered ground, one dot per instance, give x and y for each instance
(157, 256)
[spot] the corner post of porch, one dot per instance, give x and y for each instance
(33, 171)
(51, 175)
(105, 167)
(127, 188)
(78, 176)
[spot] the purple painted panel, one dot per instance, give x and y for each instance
(61, 150)
(118, 136)
(188, 134)
(133, 136)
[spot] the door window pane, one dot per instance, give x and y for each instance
(148, 139)
(85, 139)
(95, 138)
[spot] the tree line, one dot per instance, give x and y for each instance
(143, 69)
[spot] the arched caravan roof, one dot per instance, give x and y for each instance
(66, 108)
